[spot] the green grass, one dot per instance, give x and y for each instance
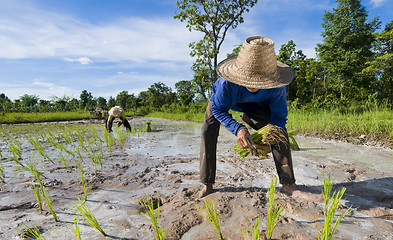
(374, 125)
(12, 118)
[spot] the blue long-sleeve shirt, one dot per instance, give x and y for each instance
(227, 95)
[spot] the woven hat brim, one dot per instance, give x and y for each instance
(282, 77)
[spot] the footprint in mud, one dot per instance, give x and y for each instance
(352, 174)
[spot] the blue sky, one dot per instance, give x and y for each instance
(60, 47)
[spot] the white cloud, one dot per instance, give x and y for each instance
(42, 83)
(33, 33)
(378, 3)
(81, 60)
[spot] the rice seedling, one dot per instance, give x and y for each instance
(48, 201)
(38, 146)
(37, 195)
(95, 156)
(32, 232)
(331, 202)
(33, 170)
(62, 148)
(2, 175)
(255, 232)
(85, 188)
(109, 140)
(88, 216)
(148, 127)
(122, 136)
(268, 135)
(81, 139)
(4, 135)
(211, 215)
(15, 149)
(153, 217)
(76, 229)
(274, 211)
(66, 135)
(63, 160)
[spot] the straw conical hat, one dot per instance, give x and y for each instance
(256, 66)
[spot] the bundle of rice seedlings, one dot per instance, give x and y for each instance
(292, 142)
(268, 135)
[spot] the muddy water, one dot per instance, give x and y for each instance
(166, 162)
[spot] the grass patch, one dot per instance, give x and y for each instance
(373, 125)
(12, 118)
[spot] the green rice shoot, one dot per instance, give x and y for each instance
(211, 215)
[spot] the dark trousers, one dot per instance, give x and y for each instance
(210, 131)
(109, 122)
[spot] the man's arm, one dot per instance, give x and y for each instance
(278, 108)
(222, 100)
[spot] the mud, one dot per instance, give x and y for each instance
(164, 165)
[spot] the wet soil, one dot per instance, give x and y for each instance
(164, 165)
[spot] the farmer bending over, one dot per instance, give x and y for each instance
(253, 83)
(116, 112)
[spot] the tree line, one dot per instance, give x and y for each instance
(156, 98)
(353, 65)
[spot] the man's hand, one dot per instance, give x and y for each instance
(265, 148)
(244, 139)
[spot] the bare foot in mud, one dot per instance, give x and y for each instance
(206, 190)
(288, 189)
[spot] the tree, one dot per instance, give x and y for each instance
(160, 94)
(86, 99)
(5, 101)
(185, 92)
(60, 103)
(28, 101)
(301, 87)
(111, 102)
(44, 105)
(132, 103)
(346, 47)
(73, 104)
(121, 99)
(381, 65)
(213, 18)
(101, 102)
